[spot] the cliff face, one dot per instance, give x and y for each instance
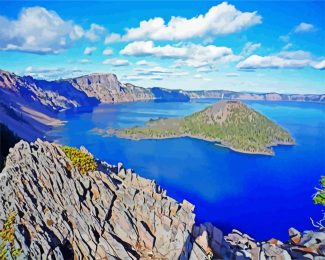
(113, 213)
(107, 88)
(225, 94)
(39, 93)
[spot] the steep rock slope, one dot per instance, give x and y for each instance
(106, 88)
(28, 106)
(62, 212)
(113, 213)
(40, 94)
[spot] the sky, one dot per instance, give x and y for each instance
(258, 46)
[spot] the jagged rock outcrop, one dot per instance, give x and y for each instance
(106, 88)
(113, 213)
(107, 213)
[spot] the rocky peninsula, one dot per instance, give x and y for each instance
(228, 123)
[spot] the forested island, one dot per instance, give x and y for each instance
(228, 123)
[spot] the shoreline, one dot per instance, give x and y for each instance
(220, 143)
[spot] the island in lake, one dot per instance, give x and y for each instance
(228, 123)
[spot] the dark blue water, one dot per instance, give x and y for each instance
(260, 195)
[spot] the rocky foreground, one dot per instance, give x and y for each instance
(113, 213)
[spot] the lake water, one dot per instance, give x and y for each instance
(260, 195)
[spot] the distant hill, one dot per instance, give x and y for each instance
(229, 123)
(226, 94)
(163, 94)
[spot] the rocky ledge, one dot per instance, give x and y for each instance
(113, 213)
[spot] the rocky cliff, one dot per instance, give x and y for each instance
(226, 94)
(113, 213)
(106, 88)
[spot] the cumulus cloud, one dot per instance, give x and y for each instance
(113, 37)
(304, 27)
(41, 31)
(249, 48)
(300, 28)
(95, 32)
(272, 62)
(192, 55)
(219, 20)
(38, 30)
(147, 48)
(89, 50)
(319, 65)
(116, 62)
(108, 51)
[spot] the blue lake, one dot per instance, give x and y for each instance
(260, 195)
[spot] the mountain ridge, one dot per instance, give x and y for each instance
(33, 104)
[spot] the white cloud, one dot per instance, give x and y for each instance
(142, 62)
(249, 48)
(155, 73)
(319, 65)
(108, 51)
(151, 70)
(89, 50)
(136, 77)
(192, 55)
(147, 48)
(272, 62)
(51, 73)
(219, 20)
(299, 55)
(146, 63)
(95, 32)
(113, 37)
(116, 62)
(38, 30)
(287, 46)
(304, 27)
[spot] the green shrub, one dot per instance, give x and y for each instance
(319, 197)
(7, 235)
(84, 162)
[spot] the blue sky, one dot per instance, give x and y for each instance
(260, 46)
